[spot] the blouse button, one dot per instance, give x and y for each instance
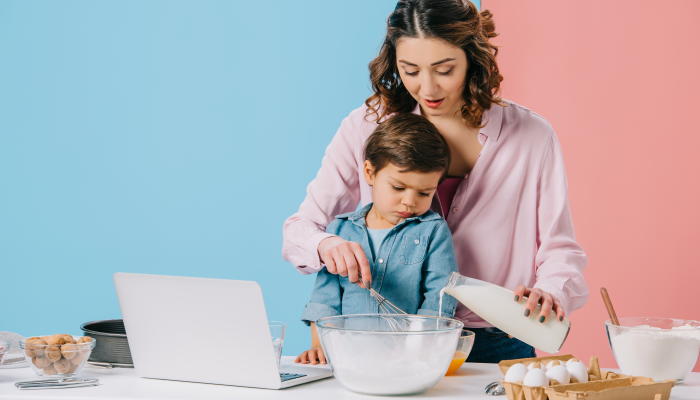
(455, 209)
(381, 260)
(416, 241)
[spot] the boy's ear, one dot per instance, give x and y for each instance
(368, 171)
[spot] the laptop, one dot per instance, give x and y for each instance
(203, 330)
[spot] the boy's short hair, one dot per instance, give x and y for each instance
(410, 142)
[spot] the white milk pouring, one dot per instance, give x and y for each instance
(496, 306)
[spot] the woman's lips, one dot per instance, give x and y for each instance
(404, 214)
(433, 103)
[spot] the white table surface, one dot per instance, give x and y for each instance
(467, 383)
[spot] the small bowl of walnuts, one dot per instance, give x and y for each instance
(57, 355)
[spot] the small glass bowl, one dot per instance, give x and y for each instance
(4, 349)
(464, 347)
(651, 347)
(64, 360)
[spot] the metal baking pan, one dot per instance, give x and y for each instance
(112, 346)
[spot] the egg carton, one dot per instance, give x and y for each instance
(630, 388)
(518, 391)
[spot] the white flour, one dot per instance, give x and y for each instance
(392, 378)
(388, 364)
(655, 353)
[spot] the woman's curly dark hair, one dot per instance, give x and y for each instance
(457, 22)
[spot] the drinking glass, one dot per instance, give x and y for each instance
(277, 332)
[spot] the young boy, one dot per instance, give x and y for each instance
(409, 247)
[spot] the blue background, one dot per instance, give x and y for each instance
(165, 137)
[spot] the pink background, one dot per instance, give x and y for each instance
(619, 82)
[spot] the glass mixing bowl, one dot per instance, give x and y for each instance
(659, 348)
(386, 354)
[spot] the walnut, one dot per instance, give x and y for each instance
(73, 368)
(69, 350)
(54, 340)
(34, 347)
(41, 362)
(68, 338)
(50, 370)
(85, 339)
(53, 353)
(62, 366)
(78, 358)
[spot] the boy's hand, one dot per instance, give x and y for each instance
(312, 356)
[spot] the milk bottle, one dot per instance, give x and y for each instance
(496, 306)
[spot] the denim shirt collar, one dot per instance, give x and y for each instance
(358, 217)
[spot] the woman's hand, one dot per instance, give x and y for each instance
(535, 296)
(344, 258)
(313, 355)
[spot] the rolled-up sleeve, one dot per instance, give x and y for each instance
(560, 260)
(326, 298)
(335, 191)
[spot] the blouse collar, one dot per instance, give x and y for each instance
(493, 119)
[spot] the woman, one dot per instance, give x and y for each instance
(505, 200)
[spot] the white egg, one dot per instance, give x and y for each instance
(560, 374)
(536, 378)
(516, 373)
(551, 363)
(569, 361)
(542, 366)
(578, 370)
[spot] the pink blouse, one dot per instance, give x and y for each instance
(446, 193)
(510, 217)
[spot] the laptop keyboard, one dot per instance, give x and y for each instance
(288, 377)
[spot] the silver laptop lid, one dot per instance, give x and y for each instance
(197, 330)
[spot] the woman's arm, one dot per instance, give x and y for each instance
(560, 260)
(439, 263)
(336, 190)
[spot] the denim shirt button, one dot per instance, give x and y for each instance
(417, 241)
(402, 258)
(381, 260)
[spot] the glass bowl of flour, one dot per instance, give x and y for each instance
(659, 348)
(386, 354)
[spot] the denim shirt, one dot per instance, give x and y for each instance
(409, 270)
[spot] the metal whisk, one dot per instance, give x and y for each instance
(386, 307)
